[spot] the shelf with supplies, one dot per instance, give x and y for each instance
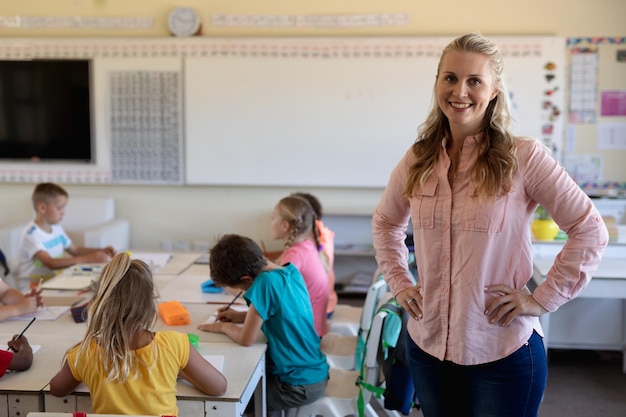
(355, 264)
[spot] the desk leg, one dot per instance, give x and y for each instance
(259, 395)
(255, 389)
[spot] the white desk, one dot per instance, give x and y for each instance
(180, 262)
(596, 319)
(23, 392)
(244, 368)
(20, 392)
(187, 288)
(198, 269)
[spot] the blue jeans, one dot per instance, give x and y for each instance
(510, 387)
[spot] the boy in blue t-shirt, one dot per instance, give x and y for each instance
(279, 305)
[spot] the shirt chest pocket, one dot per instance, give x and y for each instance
(484, 215)
(423, 204)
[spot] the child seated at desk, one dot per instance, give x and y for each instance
(128, 368)
(278, 301)
(293, 221)
(44, 241)
(327, 241)
(20, 359)
(13, 303)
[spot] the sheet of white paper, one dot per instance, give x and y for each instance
(35, 348)
(235, 307)
(45, 313)
(70, 281)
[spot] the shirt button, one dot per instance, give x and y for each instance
(445, 290)
(461, 166)
(446, 258)
(446, 226)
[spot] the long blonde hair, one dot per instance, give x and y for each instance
(122, 308)
(496, 164)
(301, 218)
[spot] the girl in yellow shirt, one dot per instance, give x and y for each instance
(128, 368)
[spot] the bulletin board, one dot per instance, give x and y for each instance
(338, 112)
(596, 125)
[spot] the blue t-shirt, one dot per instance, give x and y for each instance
(281, 299)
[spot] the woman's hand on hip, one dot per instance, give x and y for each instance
(511, 303)
(411, 300)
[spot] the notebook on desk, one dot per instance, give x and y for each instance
(69, 281)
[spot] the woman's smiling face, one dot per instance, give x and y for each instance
(465, 86)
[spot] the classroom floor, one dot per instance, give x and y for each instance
(581, 383)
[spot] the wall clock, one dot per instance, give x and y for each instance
(183, 21)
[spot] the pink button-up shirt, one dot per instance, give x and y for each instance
(463, 245)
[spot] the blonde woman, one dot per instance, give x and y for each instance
(470, 188)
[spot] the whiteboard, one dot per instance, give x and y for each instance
(336, 112)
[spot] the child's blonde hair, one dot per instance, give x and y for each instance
(301, 218)
(121, 309)
(45, 192)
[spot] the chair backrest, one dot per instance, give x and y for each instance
(385, 370)
(369, 381)
(372, 298)
(84, 212)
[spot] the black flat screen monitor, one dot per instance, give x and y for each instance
(45, 111)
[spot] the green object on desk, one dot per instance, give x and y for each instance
(193, 339)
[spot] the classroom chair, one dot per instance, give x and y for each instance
(341, 397)
(343, 351)
(345, 320)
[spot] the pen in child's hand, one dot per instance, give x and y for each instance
(233, 301)
(25, 328)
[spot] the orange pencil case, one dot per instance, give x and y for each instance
(174, 313)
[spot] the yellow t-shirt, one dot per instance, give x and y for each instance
(152, 392)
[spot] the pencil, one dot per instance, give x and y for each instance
(25, 328)
(233, 301)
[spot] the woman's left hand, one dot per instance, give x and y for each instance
(510, 304)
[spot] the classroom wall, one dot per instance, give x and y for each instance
(202, 212)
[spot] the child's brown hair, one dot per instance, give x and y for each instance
(46, 192)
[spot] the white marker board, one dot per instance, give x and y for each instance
(337, 112)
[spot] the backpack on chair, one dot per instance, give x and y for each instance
(395, 384)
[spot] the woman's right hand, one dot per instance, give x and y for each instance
(411, 300)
